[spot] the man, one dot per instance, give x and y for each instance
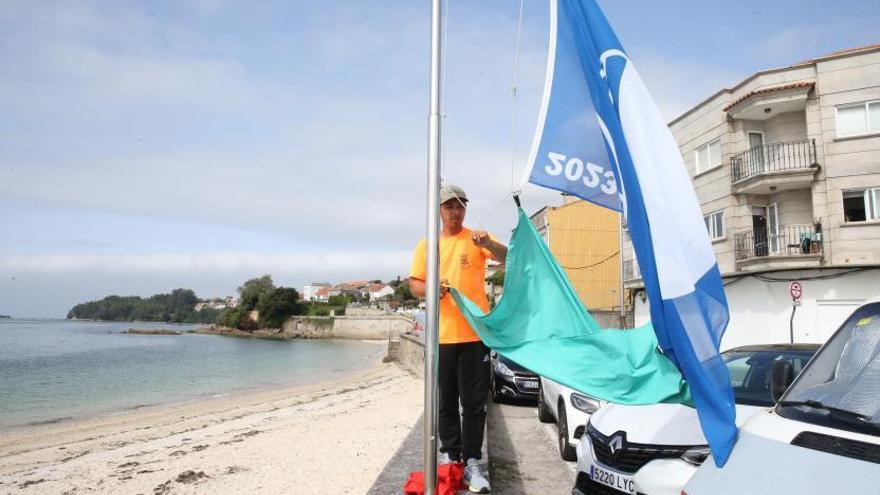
(463, 360)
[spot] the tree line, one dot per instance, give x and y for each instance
(176, 307)
(261, 305)
(273, 306)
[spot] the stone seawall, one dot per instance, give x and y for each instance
(355, 311)
(347, 327)
(385, 328)
(371, 327)
(411, 354)
(312, 327)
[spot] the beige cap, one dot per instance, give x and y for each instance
(450, 191)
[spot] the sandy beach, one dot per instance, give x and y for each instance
(332, 437)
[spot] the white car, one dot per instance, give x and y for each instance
(569, 410)
(823, 436)
(655, 449)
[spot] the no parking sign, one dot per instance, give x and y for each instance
(796, 290)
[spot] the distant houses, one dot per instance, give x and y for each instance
(378, 291)
(323, 294)
(364, 290)
(217, 303)
(310, 292)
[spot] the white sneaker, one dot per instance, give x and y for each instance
(443, 458)
(474, 478)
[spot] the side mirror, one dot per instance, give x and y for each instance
(781, 377)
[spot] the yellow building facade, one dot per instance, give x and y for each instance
(584, 238)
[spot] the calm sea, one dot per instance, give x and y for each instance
(53, 370)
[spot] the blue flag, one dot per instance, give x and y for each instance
(601, 138)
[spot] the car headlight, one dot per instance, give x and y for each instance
(696, 455)
(584, 403)
(503, 369)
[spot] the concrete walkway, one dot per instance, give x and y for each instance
(409, 458)
(523, 458)
(522, 455)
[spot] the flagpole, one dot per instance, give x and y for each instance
(432, 289)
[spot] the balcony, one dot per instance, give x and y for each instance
(775, 167)
(789, 246)
(632, 278)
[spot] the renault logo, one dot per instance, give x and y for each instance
(616, 444)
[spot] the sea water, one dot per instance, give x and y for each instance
(56, 370)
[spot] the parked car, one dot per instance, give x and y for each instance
(569, 410)
(509, 380)
(655, 449)
(823, 436)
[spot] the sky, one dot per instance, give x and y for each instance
(146, 146)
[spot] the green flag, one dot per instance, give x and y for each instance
(541, 324)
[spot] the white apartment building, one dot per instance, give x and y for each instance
(786, 166)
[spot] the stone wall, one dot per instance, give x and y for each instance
(371, 328)
(411, 354)
(313, 327)
(353, 311)
(347, 327)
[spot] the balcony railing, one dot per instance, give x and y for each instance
(788, 240)
(775, 157)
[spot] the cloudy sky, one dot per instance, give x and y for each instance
(146, 146)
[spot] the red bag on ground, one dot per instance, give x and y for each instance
(448, 480)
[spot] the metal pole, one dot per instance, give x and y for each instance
(791, 321)
(620, 258)
(432, 292)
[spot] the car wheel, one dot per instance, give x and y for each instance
(496, 396)
(544, 414)
(566, 450)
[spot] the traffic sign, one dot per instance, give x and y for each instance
(796, 290)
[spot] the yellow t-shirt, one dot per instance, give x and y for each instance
(463, 264)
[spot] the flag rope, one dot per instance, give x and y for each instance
(513, 88)
(514, 191)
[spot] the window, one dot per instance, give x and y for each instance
(861, 204)
(715, 224)
(708, 155)
(861, 118)
(750, 372)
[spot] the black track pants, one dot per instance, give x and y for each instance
(462, 376)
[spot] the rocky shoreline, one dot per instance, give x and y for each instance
(266, 333)
(384, 328)
(151, 331)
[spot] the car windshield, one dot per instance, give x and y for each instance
(843, 383)
(750, 372)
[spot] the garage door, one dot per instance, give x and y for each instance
(831, 313)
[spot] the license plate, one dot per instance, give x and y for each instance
(532, 384)
(612, 479)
